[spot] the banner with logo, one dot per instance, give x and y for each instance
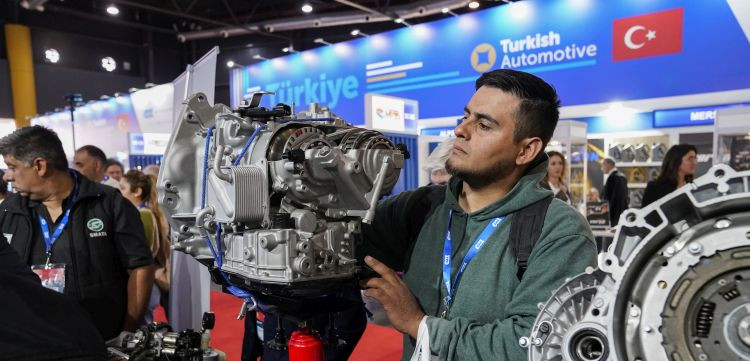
(592, 51)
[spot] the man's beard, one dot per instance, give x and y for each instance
(482, 178)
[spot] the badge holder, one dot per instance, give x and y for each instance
(52, 275)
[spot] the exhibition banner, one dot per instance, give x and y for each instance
(592, 51)
(107, 123)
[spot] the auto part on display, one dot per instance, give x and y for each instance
(157, 342)
(642, 152)
(636, 175)
(627, 153)
(658, 151)
(653, 173)
(272, 202)
(636, 198)
(615, 152)
(674, 285)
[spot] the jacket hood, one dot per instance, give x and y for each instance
(526, 191)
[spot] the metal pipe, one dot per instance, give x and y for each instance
(377, 188)
(247, 29)
(422, 8)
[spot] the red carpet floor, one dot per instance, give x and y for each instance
(378, 342)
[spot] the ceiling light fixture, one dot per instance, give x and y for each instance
(112, 10)
(259, 57)
(109, 64)
(474, 5)
(230, 64)
(321, 41)
(401, 21)
(356, 32)
(307, 8)
(448, 11)
(52, 55)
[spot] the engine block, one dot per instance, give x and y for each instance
(270, 197)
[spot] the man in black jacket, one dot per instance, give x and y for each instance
(615, 190)
(40, 324)
(59, 220)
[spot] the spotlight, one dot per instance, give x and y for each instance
(289, 49)
(401, 21)
(52, 55)
(473, 5)
(307, 8)
(448, 11)
(356, 32)
(112, 10)
(230, 64)
(259, 57)
(109, 64)
(321, 41)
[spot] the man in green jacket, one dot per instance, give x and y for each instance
(480, 312)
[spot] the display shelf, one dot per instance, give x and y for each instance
(638, 164)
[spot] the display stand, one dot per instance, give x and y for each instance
(570, 140)
(732, 137)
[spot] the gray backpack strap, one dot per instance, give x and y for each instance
(525, 229)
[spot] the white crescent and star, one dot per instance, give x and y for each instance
(650, 35)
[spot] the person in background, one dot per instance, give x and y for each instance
(140, 189)
(60, 221)
(3, 187)
(555, 178)
(435, 163)
(113, 169)
(89, 160)
(592, 196)
(677, 169)
(615, 190)
(152, 170)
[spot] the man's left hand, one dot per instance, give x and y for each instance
(398, 302)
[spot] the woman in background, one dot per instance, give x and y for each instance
(555, 179)
(140, 189)
(677, 169)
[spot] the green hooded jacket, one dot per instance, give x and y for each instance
(491, 309)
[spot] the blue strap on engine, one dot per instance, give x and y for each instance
(234, 290)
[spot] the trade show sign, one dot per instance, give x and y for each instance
(592, 51)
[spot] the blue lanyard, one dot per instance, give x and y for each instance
(473, 251)
(50, 240)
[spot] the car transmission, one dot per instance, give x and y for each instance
(674, 285)
(270, 201)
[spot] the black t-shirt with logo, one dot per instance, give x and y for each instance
(104, 239)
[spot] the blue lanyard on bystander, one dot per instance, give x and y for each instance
(49, 240)
(473, 251)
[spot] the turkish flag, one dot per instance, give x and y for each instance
(647, 35)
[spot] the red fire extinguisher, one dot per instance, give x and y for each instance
(305, 345)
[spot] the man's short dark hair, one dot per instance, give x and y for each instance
(29, 143)
(539, 110)
(609, 160)
(94, 152)
(112, 161)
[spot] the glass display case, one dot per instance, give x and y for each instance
(732, 137)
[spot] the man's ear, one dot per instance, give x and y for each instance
(530, 148)
(40, 165)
